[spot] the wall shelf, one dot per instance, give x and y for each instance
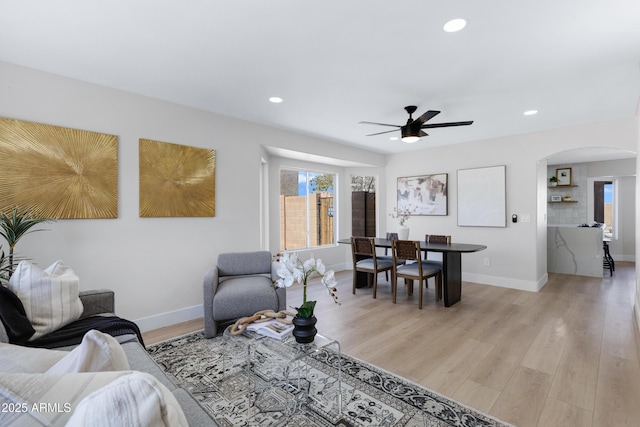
(561, 186)
(564, 201)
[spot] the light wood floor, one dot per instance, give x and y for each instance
(565, 356)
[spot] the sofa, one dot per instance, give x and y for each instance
(100, 303)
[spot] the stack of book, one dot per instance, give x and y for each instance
(271, 328)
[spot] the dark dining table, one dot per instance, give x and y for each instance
(451, 264)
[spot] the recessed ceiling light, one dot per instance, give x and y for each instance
(276, 99)
(530, 112)
(455, 25)
(394, 138)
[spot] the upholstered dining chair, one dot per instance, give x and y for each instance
(414, 268)
(240, 285)
(386, 256)
(436, 238)
(365, 260)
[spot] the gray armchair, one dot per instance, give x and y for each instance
(239, 286)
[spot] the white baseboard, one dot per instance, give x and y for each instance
(170, 318)
(504, 282)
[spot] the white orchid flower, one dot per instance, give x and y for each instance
(309, 265)
(286, 277)
(291, 269)
(329, 280)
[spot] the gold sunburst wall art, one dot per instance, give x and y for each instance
(176, 180)
(58, 172)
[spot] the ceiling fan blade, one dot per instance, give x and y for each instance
(380, 133)
(381, 124)
(444, 125)
(426, 116)
(422, 133)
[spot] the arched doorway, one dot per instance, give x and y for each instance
(572, 204)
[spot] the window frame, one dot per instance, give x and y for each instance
(314, 172)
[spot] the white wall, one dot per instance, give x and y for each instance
(154, 265)
(516, 259)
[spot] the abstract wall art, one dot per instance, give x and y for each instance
(57, 172)
(482, 197)
(423, 195)
(176, 180)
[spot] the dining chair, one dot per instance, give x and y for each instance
(414, 268)
(365, 260)
(390, 236)
(436, 238)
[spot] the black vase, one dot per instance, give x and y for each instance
(304, 329)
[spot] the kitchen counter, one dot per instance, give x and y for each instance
(575, 250)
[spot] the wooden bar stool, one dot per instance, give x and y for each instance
(607, 260)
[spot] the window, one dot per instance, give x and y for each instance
(307, 209)
(603, 205)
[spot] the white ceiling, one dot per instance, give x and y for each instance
(336, 63)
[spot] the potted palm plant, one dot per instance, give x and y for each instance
(5, 268)
(13, 226)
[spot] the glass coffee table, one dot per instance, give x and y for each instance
(287, 378)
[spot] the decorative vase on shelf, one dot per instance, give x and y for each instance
(403, 233)
(304, 329)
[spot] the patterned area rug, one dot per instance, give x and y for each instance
(215, 373)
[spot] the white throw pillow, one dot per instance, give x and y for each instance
(47, 400)
(122, 398)
(18, 359)
(50, 297)
(138, 399)
(97, 352)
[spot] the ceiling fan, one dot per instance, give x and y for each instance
(412, 131)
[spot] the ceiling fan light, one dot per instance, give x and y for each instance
(455, 25)
(410, 139)
(410, 135)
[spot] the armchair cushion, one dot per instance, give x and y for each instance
(237, 296)
(242, 263)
